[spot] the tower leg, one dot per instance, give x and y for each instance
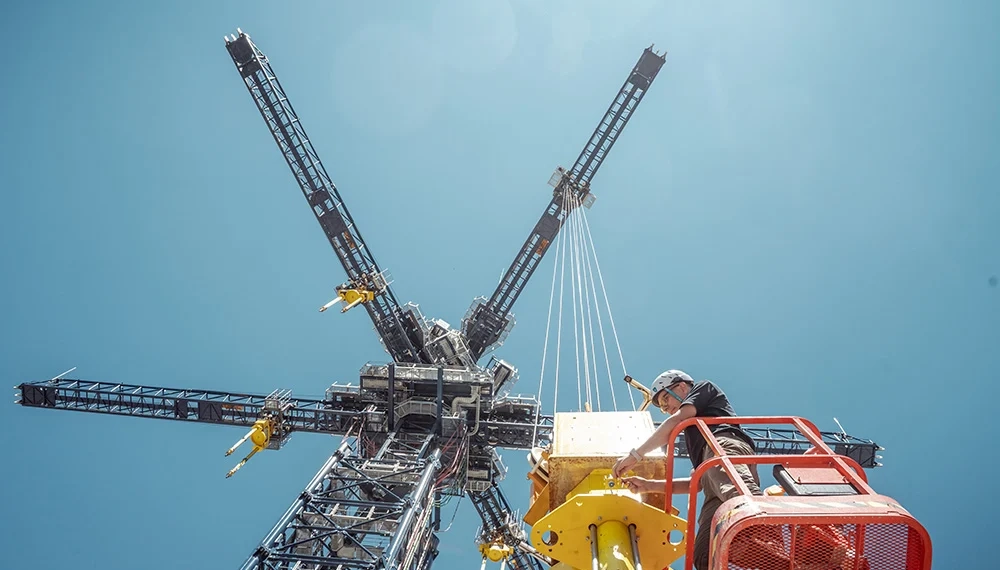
(360, 513)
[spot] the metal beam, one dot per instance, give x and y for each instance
(357, 513)
(507, 424)
(487, 320)
(400, 334)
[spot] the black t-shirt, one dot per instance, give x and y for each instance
(709, 401)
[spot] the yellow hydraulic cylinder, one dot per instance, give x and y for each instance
(354, 297)
(259, 435)
(351, 296)
(614, 547)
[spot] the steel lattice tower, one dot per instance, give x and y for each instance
(428, 423)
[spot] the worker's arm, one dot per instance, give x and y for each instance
(656, 440)
(659, 437)
(642, 485)
(682, 486)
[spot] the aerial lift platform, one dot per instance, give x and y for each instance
(823, 515)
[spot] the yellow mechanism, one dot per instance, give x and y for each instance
(259, 435)
(495, 551)
(580, 514)
(352, 295)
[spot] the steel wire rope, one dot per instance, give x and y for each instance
(587, 281)
(562, 288)
(576, 335)
(571, 257)
(545, 344)
(587, 341)
(600, 326)
(574, 285)
(586, 332)
(607, 302)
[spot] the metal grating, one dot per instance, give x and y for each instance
(825, 547)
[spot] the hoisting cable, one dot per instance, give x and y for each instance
(611, 317)
(574, 284)
(562, 289)
(545, 346)
(600, 327)
(587, 285)
(588, 357)
(592, 399)
(577, 244)
(562, 276)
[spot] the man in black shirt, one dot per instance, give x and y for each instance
(677, 394)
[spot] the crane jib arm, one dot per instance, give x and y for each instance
(489, 319)
(398, 330)
(334, 414)
(499, 522)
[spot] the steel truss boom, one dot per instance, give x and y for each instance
(426, 425)
(318, 416)
(398, 328)
(500, 521)
(360, 513)
(502, 427)
(488, 319)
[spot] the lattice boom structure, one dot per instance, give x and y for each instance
(429, 423)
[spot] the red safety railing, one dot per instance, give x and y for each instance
(821, 456)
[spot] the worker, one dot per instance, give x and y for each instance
(677, 394)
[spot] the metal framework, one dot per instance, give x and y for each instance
(398, 329)
(791, 520)
(359, 512)
(400, 425)
(504, 423)
(488, 319)
(500, 521)
(431, 422)
(407, 337)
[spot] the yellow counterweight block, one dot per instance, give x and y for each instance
(601, 502)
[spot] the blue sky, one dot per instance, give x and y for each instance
(803, 209)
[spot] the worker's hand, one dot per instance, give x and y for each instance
(643, 485)
(622, 465)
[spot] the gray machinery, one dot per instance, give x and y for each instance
(427, 424)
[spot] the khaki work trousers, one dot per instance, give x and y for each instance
(718, 489)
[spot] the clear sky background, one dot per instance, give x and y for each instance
(804, 209)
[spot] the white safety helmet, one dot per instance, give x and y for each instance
(667, 378)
